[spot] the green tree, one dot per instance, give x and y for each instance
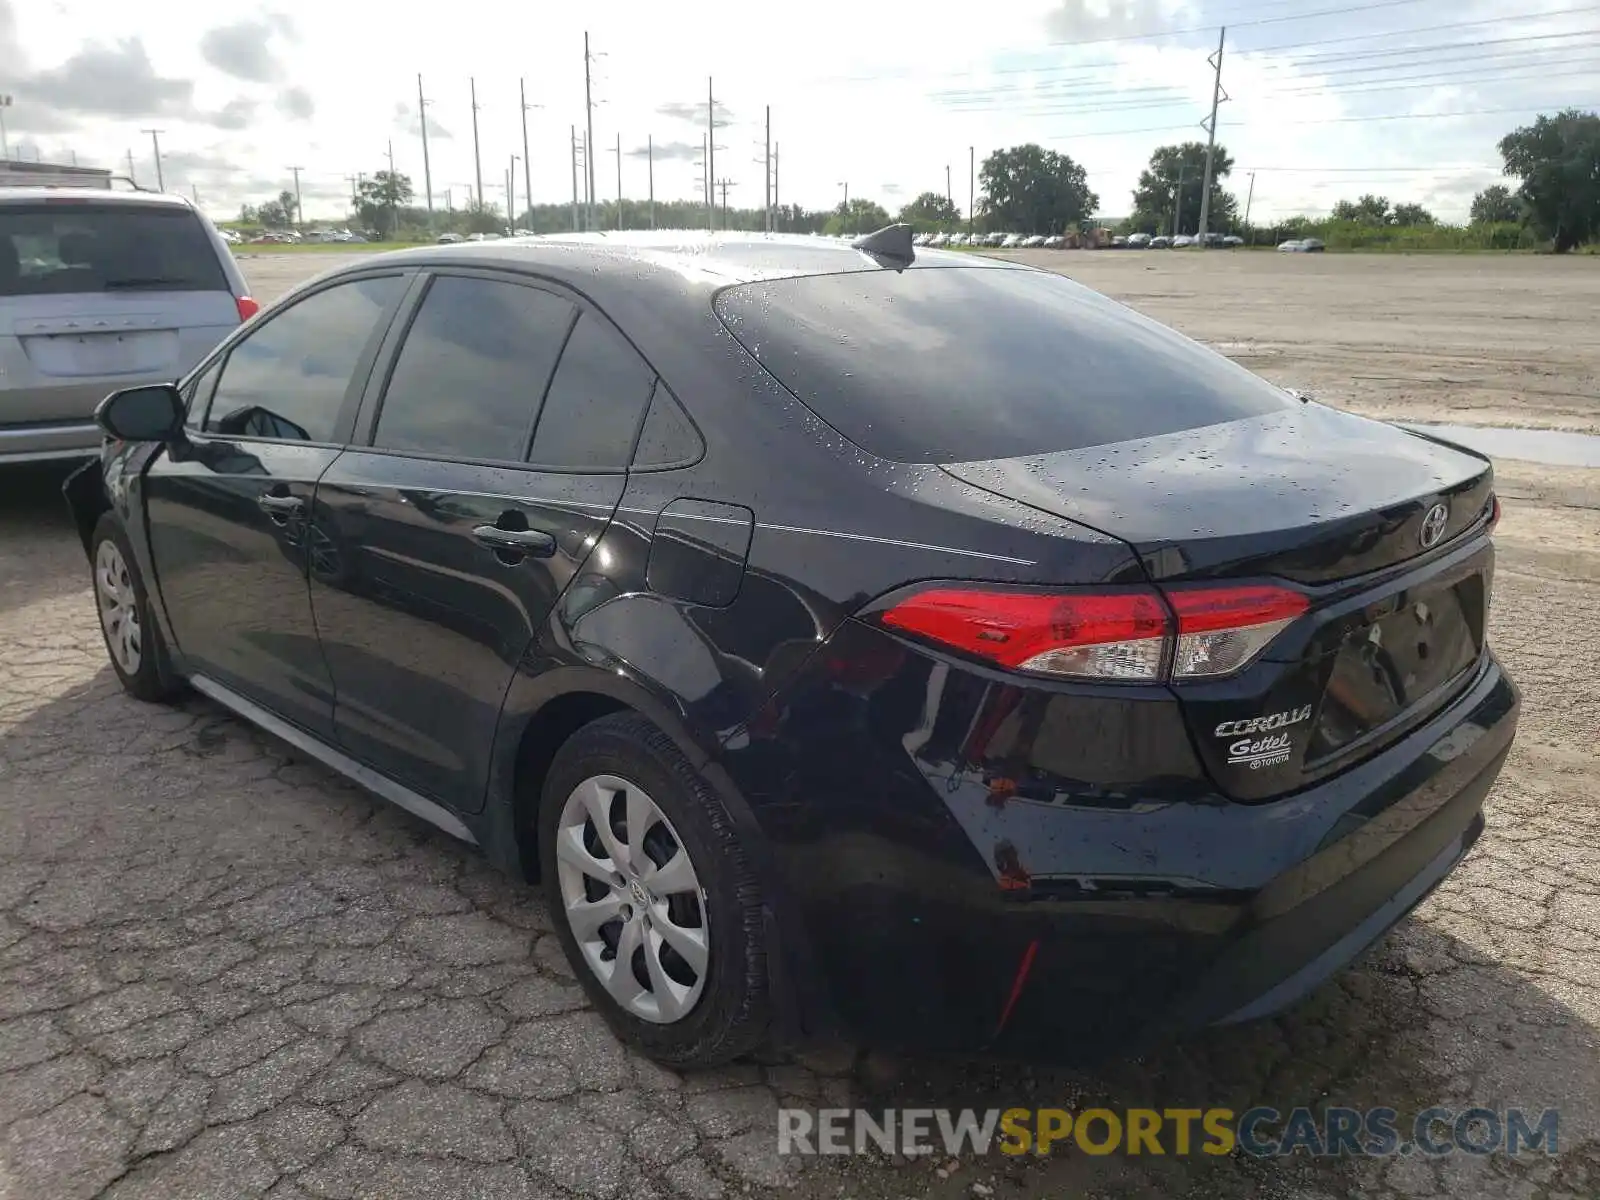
(275, 214)
(1369, 210)
(1558, 161)
(1411, 214)
(931, 210)
(1029, 189)
(379, 199)
(1176, 175)
(862, 216)
(1495, 204)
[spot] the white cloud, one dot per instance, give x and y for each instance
(864, 94)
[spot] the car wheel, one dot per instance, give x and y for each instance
(133, 642)
(653, 896)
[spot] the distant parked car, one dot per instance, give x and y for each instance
(1231, 241)
(1293, 246)
(448, 239)
(1138, 241)
(1160, 242)
(1054, 242)
(1183, 241)
(1313, 246)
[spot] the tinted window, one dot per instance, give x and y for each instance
(961, 364)
(668, 438)
(596, 399)
(473, 369)
(50, 249)
(288, 378)
(199, 394)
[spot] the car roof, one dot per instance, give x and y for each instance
(34, 195)
(718, 259)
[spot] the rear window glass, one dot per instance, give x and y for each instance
(52, 249)
(962, 364)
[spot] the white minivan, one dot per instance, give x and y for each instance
(101, 290)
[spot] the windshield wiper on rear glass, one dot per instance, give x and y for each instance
(150, 281)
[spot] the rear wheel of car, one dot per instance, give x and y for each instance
(133, 642)
(653, 896)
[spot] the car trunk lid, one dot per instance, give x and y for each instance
(1344, 509)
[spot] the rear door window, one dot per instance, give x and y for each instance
(960, 364)
(60, 248)
(473, 370)
(591, 415)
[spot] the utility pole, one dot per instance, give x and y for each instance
(574, 139)
(650, 158)
(194, 191)
(511, 194)
(5, 142)
(155, 145)
(477, 161)
(1177, 201)
(527, 163)
(132, 178)
(725, 184)
(355, 201)
(295, 171)
(711, 150)
(705, 183)
(844, 211)
(972, 187)
(619, 181)
(394, 194)
(948, 194)
(588, 136)
(427, 168)
(1249, 196)
(775, 202)
(768, 220)
(1217, 97)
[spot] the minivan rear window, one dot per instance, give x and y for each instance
(59, 248)
(959, 364)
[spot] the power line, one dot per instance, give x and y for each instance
(1476, 112)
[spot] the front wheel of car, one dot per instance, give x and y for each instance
(653, 896)
(133, 642)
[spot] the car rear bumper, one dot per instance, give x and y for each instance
(38, 424)
(48, 442)
(925, 912)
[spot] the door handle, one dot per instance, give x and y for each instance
(515, 541)
(279, 508)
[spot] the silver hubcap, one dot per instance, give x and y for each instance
(119, 611)
(632, 899)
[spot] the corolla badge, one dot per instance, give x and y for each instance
(1433, 526)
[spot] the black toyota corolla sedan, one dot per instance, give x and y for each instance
(848, 639)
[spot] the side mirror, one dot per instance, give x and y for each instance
(152, 413)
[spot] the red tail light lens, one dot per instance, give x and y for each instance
(247, 309)
(1124, 635)
(1106, 635)
(1222, 629)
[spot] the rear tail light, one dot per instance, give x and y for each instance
(1128, 635)
(247, 309)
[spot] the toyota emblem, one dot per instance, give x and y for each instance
(1433, 526)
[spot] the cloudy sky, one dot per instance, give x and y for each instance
(1402, 97)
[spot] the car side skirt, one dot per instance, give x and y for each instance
(366, 777)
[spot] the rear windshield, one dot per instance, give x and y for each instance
(55, 248)
(961, 364)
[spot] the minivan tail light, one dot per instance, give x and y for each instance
(1096, 635)
(1129, 635)
(1222, 629)
(247, 309)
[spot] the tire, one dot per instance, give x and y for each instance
(133, 642)
(725, 1009)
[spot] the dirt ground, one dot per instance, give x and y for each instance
(224, 972)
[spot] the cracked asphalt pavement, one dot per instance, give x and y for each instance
(226, 972)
